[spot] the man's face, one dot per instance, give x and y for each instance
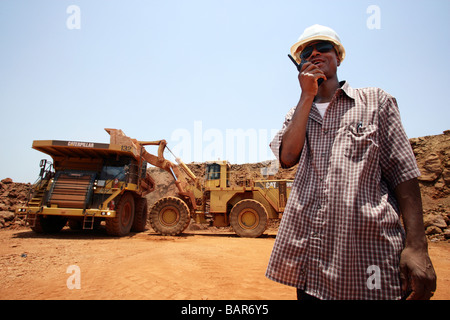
(323, 55)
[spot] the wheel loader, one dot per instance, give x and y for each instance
(246, 208)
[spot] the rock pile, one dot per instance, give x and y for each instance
(11, 195)
(433, 158)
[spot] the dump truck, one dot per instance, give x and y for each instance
(88, 183)
(215, 200)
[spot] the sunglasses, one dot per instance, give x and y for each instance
(322, 47)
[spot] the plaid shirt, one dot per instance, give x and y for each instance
(340, 236)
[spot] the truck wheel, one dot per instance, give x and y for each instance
(248, 218)
(170, 216)
(49, 224)
(121, 224)
(140, 217)
(75, 224)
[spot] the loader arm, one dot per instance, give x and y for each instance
(119, 138)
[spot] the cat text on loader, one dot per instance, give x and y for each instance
(213, 200)
(91, 182)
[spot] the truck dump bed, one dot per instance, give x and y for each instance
(78, 149)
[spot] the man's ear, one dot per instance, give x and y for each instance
(338, 62)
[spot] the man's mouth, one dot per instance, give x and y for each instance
(316, 62)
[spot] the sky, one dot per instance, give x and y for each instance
(211, 77)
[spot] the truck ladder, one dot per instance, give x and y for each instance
(88, 221)
(31, 219)
(37, 195)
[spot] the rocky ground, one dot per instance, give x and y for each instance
(433, 157)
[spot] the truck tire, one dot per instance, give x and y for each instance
(76, 224)
(121, 224)
(49, 224)
(140, 217)
(248, 218)
(170, 216)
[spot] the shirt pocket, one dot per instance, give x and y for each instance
(360, 141)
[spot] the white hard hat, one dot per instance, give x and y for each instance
(315, 33)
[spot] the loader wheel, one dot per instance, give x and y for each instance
(170, 216)
(121, 224)
(248, 218)
(140, 218)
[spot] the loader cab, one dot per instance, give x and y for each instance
(217, 174)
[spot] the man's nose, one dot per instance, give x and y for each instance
(314, 53)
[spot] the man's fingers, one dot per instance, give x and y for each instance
(422, 288)
(418, 290)
(316, 74)
(404, 275)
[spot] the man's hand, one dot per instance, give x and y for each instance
(308, 77)
(417, 274)
(416, 271)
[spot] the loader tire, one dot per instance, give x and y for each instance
(248, 218)
(121, 224)
(170, 216)
(140, 217)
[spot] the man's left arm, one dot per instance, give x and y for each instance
(416, 270)
(400, 169)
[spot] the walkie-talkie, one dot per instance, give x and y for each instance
(299, 67)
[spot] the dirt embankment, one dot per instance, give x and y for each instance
(433, 157)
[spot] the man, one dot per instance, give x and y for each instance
(341, 235)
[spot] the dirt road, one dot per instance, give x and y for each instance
(197, 265)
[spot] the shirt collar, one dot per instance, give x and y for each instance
(349, 91)
(345, 87)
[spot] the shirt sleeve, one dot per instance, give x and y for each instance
(275, 145)
(397, 160)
